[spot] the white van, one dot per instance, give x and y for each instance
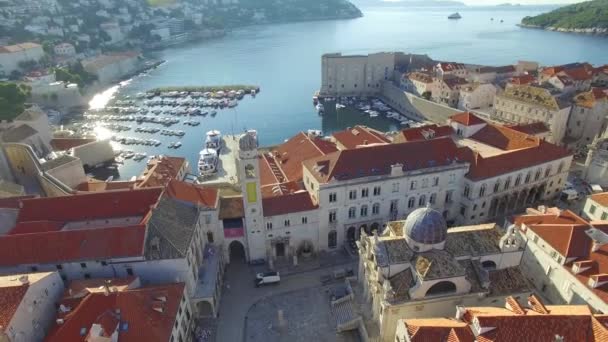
(267, 278)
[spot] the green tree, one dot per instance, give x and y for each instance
(12, 99)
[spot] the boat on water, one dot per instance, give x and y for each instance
(340, 106)
(207, 162)
(214, 140)
(455, 16)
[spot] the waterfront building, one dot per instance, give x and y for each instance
(12, 55)
(596, 164)
(420, 268)
(28, 305)
(447, 89)
(417, 83)
(596, 207)
(122, 310)
(508, 169)
(111, 67)
(533, 321)
(588, 117)
(565, 256)
(161, 170)
(476, 96)
(355, 75)
(580, 75)
(526, 104)
(160, 238)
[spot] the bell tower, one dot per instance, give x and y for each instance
(249, 177)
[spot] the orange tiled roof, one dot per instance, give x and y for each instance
(19, 47)
(94, 185)
(451, 66)
(482, 168)
(72, 245)
(438, 330)
(422, 133)
(288, 203)
(601, 199)
(522, 80)
(467, 119)
(590, 98)
(284, 163)
(193, 193)
(531, 128)
(378, 159)
(146, 314)
(420, 77)
(505, 138)
(359, 136)
(10, 298)
(160, 171)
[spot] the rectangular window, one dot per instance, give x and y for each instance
(394, 205)
(332, 216)
(104, 263)
(436, 181)
(252, 195)
(433, 199)
(83, 265)
(376, 209)
(130, 271)
(364, 192)
(448, 196)
(287, 223)
(352, 195)
(376, 191)
(87, 276)
(395, 187)
(333, 197)
(463, 210)
(268, 225)
(452, 178)
(59, 267)
(592, 209)
(604, 216)
(413, 185)
(304, 219)
(364, 211)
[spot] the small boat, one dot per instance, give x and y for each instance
(177, 144)
(213, 113)
(454, 16)
(340, 106)
(207, 162)
(214, 140)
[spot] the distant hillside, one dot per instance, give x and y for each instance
(417, 3)
(584, 17)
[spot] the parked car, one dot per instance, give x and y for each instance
(267, 278)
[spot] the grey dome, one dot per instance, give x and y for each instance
(426, 226)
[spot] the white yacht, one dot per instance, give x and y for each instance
(454, 16)
(320, 108)
(207, 162)
(214, 140)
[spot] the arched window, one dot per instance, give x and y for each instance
(528, 176)
(332, 239)
(376, 209)
(363, 210)
(352, 212)
(497, 186)
(507, 183)
(411, 202)
(441, 288)
(561, 167)
(210, 237)
(537, 175)
(433, 198)
(488, 265)
(518, 180)
(548, 171)
(422, 201)
(467, 191)
(482, 191)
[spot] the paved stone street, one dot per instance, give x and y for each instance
(306, 317)
(240, 294)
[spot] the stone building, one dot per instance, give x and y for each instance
(596, 164)
(419, 268)
(596, 207)
(355, 75)
(588, 118)
(527, 104)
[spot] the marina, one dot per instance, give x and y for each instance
(366, 106)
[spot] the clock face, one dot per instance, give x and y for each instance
(249, 171)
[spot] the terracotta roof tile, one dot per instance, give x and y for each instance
(378, 159)
(590, 98)
(137, 311)
(438, 330)
(359, 136)
(467, 119)
(288, 203)
(284, 163)
(522, 80)
(420, 77)
(533, 128)
(160, 171)
(505, 138)
(72, 245)
(10, 298)
(451, 66)
(423, 133)
(196, 194)
(601, 198)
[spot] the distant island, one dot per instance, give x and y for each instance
(589, 17)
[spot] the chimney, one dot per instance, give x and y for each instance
(460, 311)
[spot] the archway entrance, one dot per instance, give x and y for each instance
(237, 252)
(351, 234)
(441, 288)
(488, 265)
(205, 309)
(280, 249)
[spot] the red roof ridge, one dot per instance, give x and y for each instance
(467, 119)
(513, 305)
(537, 305)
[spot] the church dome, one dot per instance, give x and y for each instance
(426, 226)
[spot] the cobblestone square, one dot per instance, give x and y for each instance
(307, 317)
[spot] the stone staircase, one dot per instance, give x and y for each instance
(344, 314)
